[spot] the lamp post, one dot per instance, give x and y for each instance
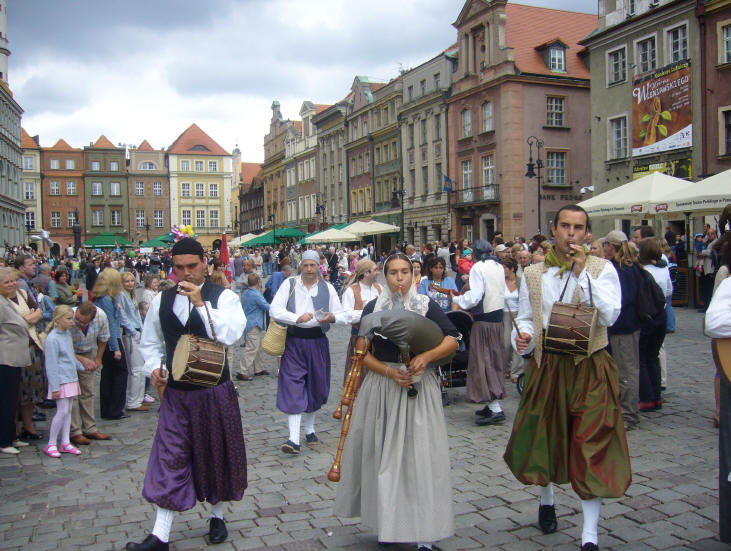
(398, 196)
(77, 232)
(530, 172)
(320, 209)
(147, 227)
(270, 218)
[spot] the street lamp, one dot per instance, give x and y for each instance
(320, 209)
(530, 172)
(398, 196)
(147, 227)
(270, 218)
(77, 232)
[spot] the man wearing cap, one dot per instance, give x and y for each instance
(198, 453)
(308, 305)
(624, 334)
(569, 427)
(486, 364)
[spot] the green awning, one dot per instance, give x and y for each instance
(107, 240)
(161, 241)
(289, 233)
(263, 239)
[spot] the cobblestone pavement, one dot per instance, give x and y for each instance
(94, 502)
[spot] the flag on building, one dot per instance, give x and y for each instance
(448, 185)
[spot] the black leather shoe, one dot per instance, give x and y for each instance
(588, 546)
(484, 412)
(547, 519)
(151, 543)
(494, 419)
(217, 532)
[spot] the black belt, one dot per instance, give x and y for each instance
(304, 332)
(496, 316)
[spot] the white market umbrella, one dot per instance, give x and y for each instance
(239, 240)
(373, 227)
(635, 198)
(332, 235)
(711, 194)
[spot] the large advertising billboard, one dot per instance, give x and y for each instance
(662, 118)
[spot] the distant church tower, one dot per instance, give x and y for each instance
(4, 51)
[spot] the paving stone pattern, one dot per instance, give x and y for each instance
(94, 502)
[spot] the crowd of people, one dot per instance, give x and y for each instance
(573, 412)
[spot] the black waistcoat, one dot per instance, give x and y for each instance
(172, 329)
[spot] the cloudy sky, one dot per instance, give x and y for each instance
(147, 69)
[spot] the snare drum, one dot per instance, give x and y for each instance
(570, 329)
(198, 361)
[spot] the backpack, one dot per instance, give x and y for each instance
(650, 298)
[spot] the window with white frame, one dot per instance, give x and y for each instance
(200, 190)
(115, 189)
(488, 171)
(554, 111)
(55, 164)
(140, 218)
(677, 44)
(55, 188)
(96, 189)
(115, 217)
(30, 191)
(148, 165)
(185, 165)
(312, 167)
(423, 131)
(467, 180)
(185, 189)
(200, 219)
(727, 132)
(557, 56)
(213, 215)
(113, 166)
(213, 190)
(157, 218)
(487, 116)
(556, 163)
(301, 206)
(367, 163)
(631, 7)
(30, 219)
(95, 166)
(28, 163)
(186, 217)
(71, 218)
(437, 126)
(97, 218)
(646, 54)
(212, 166)
(157, 188)
(466, 123)
(139, 188)
(726, 44)
(70, 164)
(618, 136)
(617, 66)
(70, 187)
(55, 219)
(198, 166)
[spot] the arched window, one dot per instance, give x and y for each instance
(148, 165)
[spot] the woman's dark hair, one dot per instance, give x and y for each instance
(59, 273)
(432, 264)
(650, 251)
(397, 255)
(509, 263)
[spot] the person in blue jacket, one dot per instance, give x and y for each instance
(255, 308)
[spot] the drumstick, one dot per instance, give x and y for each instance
(515, 323)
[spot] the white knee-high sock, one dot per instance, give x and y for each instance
(591, 509)
(163, 523)
(294, 421)
(217, 510)
(494, 406)
(309, 422)
(547, 494)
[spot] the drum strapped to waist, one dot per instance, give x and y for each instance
(571, 327)
(197, 360)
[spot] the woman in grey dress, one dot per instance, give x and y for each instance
(395, 471)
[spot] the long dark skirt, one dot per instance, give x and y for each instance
(486, 363)
(198, 453)
(569, 427)
(113, 384)
(304, 375)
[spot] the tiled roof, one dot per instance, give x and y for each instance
(193, 141)
(104, 143)
(529, 27)
(320, 107)
(249, 172)
(297, 125)
(61, 145)
(376, 85)
(145, 146)
(26, 142)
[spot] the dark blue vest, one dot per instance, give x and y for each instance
(172, 329)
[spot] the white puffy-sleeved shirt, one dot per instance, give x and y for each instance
(228, 319)
(303, 303)
(367, 293)
(606, 292)
(718, 315)
(487, 284)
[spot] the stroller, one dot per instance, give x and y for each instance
(455, 373)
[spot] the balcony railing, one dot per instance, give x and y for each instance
(479, 194)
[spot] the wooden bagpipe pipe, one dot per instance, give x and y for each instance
(410, 332)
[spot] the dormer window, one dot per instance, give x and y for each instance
(557, 58)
